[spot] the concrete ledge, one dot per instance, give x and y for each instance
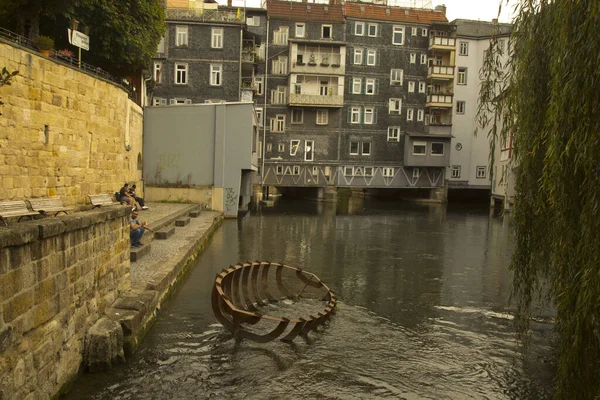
(194, 214)
(165, 233)
(138, 252)
(182, 221)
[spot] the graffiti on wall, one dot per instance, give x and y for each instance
(166, 161)
(230, 199)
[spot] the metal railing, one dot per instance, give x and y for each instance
(205, 15)
(68, 60)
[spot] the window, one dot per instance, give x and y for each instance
(396, 77)
(387, 172)
(215, 74)
(371, 57)
(179, 101)
(315, 171)
(281, 147)
(372, 30)
(359, 29)
(366, 148)
(159, 101)
(416, 173)
(411, 87)
(278, 96)
(217, 38)
(280, 36)
(424, 32)
(462, 76)
(322, 117)
(253, 21)
(370, 86)
(309, 150)
(279, 169)
(297, 115)
(269, 149)
(481, 172)
(258, 84)
(455, 171)
(181, 74)
(348, 171)
(294, 144)
(437, 149)
(395, 106)
(157, 72)
(355, 115)
(259, 115)
(368, 171)
(409, 114)
(422, 87)
(369, 116)
(278, 123)
(423, 59)
(300, 29)
(393, 134)
(463, 51)
(419, 148)
(354, 148)
(280, 66)
(356, 85)
(460, 107)
(413, 58)
(358, 56)
(398, 35)
(326, 32)
(420, 115)
(296, 170)
(181, 35)
(414, 31)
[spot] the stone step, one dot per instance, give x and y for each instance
(195, 213)
(165, 233)
(182, 221)
(138, 252)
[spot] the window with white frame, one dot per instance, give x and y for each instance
(216, 71)
(371, 57)
(411, 87)
(315, 171)
(372, 30)
(366, 148)
(181, 74)
(398, 35)
(279, 95)
(322, 117)
(460, 107)
(253, 21)
(354, 148)
(280, 65)
(326, 31)
(297, 116)
(370, 86)
(181, 35)
(356, 85)
(269, 148)
(358, 56)
(309, 150)
(368, 171)
(413, 58)
(419, 148)
(281, 147)
(259, 85)
(396, 76)
(437, 148)
(424, 32)
(423, 59)
(294, 145)
(481, 172)
(462, 76)
(259, 115)
(355, 115)
(180, 101)
(279, 170)
(300, 29)
(369, 117)
(295, 170)
(278, 123)
(159, 101)
(410, 112)
(348, 171)
(420, 115)
(359, 29)
(455, 172)
(413, 31)
(387, 172)
(280, 36)
(422, 87)
(393, 134)
(217, 38)
(395, 106)
(157, 72)
(416, 173)
(463, 49)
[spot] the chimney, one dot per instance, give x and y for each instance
(495, 21)
(441, 8)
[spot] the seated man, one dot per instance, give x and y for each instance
(125, 197)
(137, 229)
(138, 199)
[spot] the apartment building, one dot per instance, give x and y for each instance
(470, 154)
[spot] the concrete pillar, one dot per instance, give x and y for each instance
(103, 345)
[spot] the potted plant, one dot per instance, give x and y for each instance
(45, 44)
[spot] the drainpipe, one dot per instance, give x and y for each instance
(264, 116)
(240, 64)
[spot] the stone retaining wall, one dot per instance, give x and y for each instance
(57, 277)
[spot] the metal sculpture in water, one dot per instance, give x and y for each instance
(238, 295)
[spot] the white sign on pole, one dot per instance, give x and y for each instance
(79, 39)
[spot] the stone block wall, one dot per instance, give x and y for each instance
(64, 132)
(57, 276)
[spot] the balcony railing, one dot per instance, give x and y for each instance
(248, 57)
(444, 100)
(441, 70)
(205, 15)
(442, 42)
(316, 100)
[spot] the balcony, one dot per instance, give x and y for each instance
(326, 64)
(205, 15)
(440, 72)
(439, 100)
(442, 43)
(316, 100)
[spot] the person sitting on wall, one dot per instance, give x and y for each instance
(137, 229)
(138, 199)
(125, 197)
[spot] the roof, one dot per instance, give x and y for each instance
(305, 11)
(479, 29)
(395, 14)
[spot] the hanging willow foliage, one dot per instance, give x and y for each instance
(550, 99)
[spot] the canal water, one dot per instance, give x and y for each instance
(423, 313)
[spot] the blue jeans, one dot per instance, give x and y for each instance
(136, 235)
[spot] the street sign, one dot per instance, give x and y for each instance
(79, 39)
